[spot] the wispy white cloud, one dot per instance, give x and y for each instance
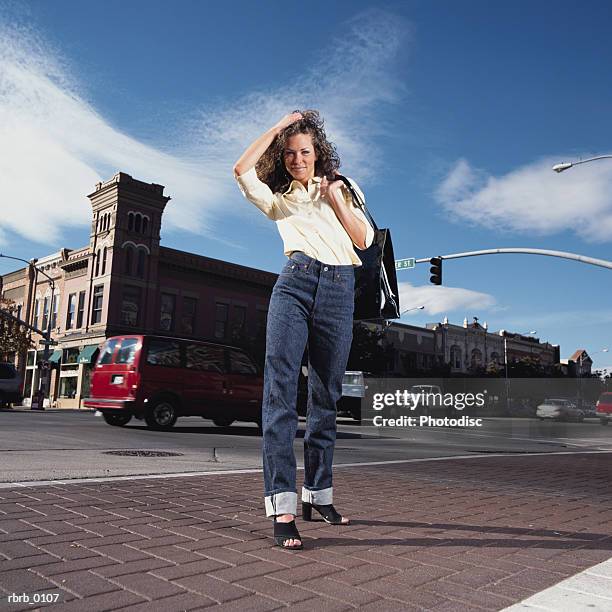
(532, 200)
(444, 300)
(56, 146)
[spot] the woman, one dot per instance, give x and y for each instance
(288, 173)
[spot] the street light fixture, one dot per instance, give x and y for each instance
(409, 309)
(388, 322)
(45, 379)
(566, 165)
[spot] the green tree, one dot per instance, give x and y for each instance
(367, 353)
(14, 338)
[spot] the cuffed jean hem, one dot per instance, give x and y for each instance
(281, 503)
(323, 497)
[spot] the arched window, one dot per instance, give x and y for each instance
(455, 356)
(137, 222)
(145, 224)
(104, 261)
(476, 359)
(141, 263)
(130, 222)
(98, 263)
(129, 256)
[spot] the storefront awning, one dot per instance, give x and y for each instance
(86, 355)
(55, 356)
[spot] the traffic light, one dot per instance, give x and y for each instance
(435, 270)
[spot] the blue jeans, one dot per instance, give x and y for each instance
(312, 303)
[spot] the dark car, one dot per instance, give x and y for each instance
(159, 379)
(10, 385)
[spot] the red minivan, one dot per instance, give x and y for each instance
(158, 379)
(603, 408)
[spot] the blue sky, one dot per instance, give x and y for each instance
(449, 114)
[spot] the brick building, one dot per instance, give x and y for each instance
(122, 282)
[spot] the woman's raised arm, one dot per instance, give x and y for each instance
(257, 148)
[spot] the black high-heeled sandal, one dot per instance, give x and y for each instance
(284, 532)
(328, 512)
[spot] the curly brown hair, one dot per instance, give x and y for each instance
(271, 168)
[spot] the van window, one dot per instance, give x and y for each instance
(205, 357)
(106, 354)
(7, 371)
(164, 353)
(127, 351)
(240, 363)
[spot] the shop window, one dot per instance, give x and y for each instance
(81, 309)
(221, 312)
(130, 306)
(71, 310)
(98, 298)
(167, 310)
(188, 315)
(140, 264)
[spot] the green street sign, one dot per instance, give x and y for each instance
(401, 264)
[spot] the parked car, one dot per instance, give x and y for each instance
(429, 400)
(589, 409)
(159, 379)
(604, 408)
(353, 391)
(354, 384)
(560, 410)
(10, 385)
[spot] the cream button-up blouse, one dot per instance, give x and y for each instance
(306, 221)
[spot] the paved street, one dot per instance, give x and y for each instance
(66, 444)
(443, 519)
(454, 534)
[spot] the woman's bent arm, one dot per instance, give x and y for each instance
(257, 148)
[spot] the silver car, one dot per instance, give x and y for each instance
(559, 410)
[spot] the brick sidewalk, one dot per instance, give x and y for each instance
(440, 535)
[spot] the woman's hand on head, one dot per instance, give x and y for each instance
(287, 120)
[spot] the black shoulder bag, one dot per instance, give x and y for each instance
(376, 293)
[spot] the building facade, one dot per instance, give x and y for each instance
(472, 349)
(124, 282)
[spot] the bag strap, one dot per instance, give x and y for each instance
(358, 200)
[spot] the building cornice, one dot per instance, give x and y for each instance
(172, 258)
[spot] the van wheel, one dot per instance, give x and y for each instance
(162, 414)
(118, 420)
(224, 421)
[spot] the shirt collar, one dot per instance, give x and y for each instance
(296, 184)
